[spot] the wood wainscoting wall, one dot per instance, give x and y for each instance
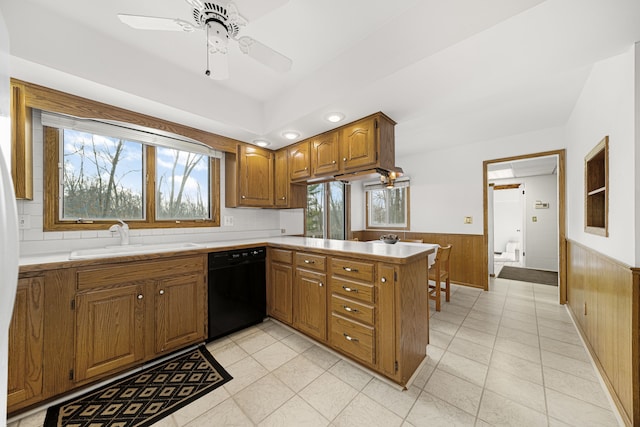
(467, 253)
(604, 300)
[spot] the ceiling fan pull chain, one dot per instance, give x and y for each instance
(208, 72)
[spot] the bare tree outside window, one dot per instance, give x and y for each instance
(182, 185)
(102, 177)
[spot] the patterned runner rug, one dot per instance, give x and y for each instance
(145, 397)
(531, 275)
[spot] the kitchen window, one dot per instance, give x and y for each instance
(387, 208)
(327, 208)
(98, 172)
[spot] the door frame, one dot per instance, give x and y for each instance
(562, 249)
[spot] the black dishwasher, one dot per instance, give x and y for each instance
(237, 290)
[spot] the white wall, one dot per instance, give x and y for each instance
(607, 107)
(446, 185)
(247, 223)
(541, 237)
(508, 216)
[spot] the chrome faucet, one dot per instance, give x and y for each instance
(123, 230)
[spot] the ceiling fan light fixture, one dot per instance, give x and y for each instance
(334, 117)
(291, 134)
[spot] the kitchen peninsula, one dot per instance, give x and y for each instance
(366, 301)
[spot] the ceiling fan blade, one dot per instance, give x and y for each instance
(153, 23)
(218, 66)
(264, 54)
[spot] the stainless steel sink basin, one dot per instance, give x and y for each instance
(130, 250)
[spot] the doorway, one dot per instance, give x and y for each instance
(535, 213)
(509, 246)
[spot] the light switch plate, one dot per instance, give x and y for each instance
(24, 221)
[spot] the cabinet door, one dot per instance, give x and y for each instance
(300, 161)
(325, 154)
(311, 303)
(281, 179)
(26, 342)
(385, 322)
(180, 311)
(279, 292)
(358, 144)
(255, 181)
(109, 329)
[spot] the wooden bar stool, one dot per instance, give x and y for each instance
(439, 273)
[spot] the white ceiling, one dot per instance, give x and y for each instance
(449, 72)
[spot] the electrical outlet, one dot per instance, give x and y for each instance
(24, 221)
(228, 221)
(534, 219)
(468, 220)
(283, 230)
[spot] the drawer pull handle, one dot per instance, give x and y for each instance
(309, 261)
(348, 289)
(349, 309)
(355, 270)
(349, 338)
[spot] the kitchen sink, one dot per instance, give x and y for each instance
(122, 250)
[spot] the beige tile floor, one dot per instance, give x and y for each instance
(507, 357)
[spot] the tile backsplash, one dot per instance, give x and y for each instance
(247, 223)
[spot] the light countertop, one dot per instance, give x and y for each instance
(399, 251)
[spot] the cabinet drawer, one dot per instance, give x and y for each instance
(138, 271)
(281, 255)
(353, 338)
(353, 269)
(311, 261)
(352, 309)
(351, 289)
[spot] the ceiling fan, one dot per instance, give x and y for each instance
(221, 21)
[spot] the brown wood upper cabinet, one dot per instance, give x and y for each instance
(362, 145)
(21, 143)
(300, 160)
(325, 154)
(249, 177)
(287, 195)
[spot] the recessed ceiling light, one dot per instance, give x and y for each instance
(291, 134)
(261, 143)
(334, 117)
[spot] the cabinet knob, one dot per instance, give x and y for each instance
(283, 198)
(161, 292)
(140, 296)
(333, 162)
(244, 197)
(306, 168)
(383, 279)
(320, 284)
(344, 159)
(350, 338)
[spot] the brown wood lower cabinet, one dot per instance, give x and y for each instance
(131, 312)
(280, 285)
(26, 343)
(310, 296)
(374, 312)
